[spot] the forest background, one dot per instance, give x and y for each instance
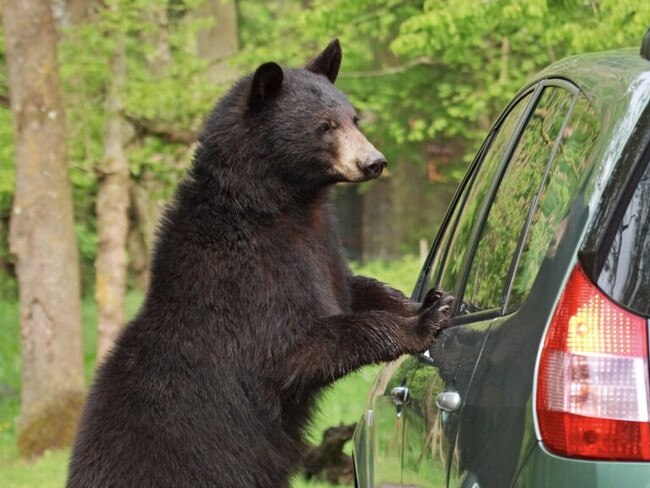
(108, 122)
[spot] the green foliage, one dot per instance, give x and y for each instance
(168, 88)
(491, 48)
(399, 273)
(6, 163)
(420, 72)
(49, 471)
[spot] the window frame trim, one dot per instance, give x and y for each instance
(479, 316)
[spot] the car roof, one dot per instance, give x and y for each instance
(606, 76)
(617, 85)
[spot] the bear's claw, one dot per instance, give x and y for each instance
(435, 313)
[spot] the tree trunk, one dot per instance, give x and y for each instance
(221, 40)
(147, 208)
(77, 11)
(112, 212)
(138, 253)
(158, 58)
(146, 204)
(376, 212)
(42, 234)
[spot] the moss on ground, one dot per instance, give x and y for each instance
(52, 426)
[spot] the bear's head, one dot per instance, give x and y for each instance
(289, 129)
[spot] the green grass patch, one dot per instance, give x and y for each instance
(400, 273)
(342, 403)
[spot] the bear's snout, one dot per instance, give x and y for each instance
(373, 166)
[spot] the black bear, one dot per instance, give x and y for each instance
(252, 309)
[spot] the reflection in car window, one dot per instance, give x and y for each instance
(459, 245)
(517, 190)
(438, 259)
(626, 274)
(565, 173)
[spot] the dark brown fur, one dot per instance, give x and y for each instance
(251, 310)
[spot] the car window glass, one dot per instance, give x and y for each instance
(512, 202)
(438, 259)
(564, 175)
(626, 273)
(457, 249)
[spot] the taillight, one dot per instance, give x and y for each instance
(592, 386)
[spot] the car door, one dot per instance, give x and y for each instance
(496, 430)
(428, 438)
(379, 441)
(474, 260)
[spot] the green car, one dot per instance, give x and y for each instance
(541, 379)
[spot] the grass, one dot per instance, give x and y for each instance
(343, 403)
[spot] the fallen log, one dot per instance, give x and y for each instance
(327, 461)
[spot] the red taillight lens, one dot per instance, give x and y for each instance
(592, 388)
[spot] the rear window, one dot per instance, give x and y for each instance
(626, 272)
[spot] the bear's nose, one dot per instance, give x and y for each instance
(374, 165)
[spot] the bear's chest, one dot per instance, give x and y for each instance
(309, 262)
(323, 273)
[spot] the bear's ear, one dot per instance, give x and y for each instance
(328, 62)
(266, 84)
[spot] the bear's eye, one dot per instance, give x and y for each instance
(326, 127)
(355, 120)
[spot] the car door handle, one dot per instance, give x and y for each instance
(400, 395)
(449, 401)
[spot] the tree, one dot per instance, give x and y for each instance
(112, 171)
(219, 41)
(112, 210)
(433, 73)
(76, 11)
(42, 236)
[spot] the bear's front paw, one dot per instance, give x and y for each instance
(434, 315)
(432, 298)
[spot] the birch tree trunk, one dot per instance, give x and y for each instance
(112, 212)
(42, 235)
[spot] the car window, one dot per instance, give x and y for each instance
(559, 187)
(517, 190)
(626, 272)
(438, 259)
(455, 244)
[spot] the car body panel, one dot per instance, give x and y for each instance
(430, 432)
(545, 470)
(497, 433)
(378, 437)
